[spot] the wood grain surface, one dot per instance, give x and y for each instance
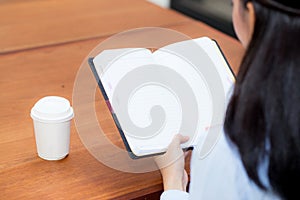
(48, 22)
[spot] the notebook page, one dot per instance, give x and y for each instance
(210, 48)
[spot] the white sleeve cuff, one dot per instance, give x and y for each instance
(174, 195)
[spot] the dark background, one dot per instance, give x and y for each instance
(216, 13)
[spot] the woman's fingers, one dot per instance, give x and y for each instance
(180, 139)
(173, 153)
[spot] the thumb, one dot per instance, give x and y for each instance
(173, 153)
(180, 139)
(176, 142)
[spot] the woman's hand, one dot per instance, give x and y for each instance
(171, 165)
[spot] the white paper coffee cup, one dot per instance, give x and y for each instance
(51, 119)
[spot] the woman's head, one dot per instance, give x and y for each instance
(243, 15)
(263, 116)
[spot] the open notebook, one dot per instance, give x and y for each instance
(154, 95)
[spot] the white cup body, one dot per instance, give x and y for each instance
(52, 117)
(52, 139)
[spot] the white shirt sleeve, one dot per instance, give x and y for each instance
(219, 175)
(174, 195)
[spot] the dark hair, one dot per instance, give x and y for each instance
(263, 115)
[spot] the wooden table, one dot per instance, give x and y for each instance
(42, 46)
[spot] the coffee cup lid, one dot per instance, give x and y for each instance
(52, 109)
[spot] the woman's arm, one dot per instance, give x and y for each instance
(171, 166)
